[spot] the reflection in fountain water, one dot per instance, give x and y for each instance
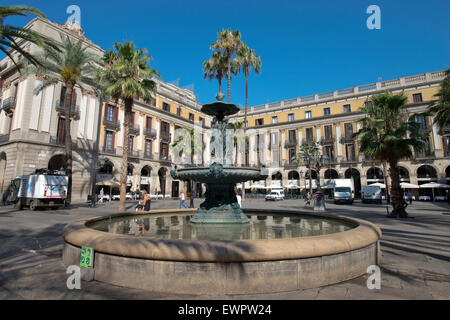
(260, 227)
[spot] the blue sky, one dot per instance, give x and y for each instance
(306, 47)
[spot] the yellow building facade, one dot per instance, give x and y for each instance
(277, 130)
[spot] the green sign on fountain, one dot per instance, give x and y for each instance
(221, 205)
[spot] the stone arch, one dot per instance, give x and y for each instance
(145, 181)
(404, 174)
(331, 174)
(293, 175)
(375, 174)
(313, 174)
(355, 175)
(427, 173)
(57, 162)
(162, 174)
(277, 176)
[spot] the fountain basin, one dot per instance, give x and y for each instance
(219, 174)
(226, 266)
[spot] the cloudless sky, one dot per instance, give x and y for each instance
(306, 47)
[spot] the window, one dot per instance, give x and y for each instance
(61, 134)
(348, 129)
(154, 102)
(326, 111)
(166, 107)
(179, 111)
(291, 134)
(191, 117)
(309, 134)
(109, 141)
(246, 123)
(291, 117)
(201, 120)
(417, 97)
(164, 150)
(328, 130)
(275, 120)
(422, 121)
(292, 155)
(259, 122)
(329, 151)
(111, 113)
(149, 123)
(148, 147)
(308, 114)
(350, 152)
(347, 108)
(131, 144)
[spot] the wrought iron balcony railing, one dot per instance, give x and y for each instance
(135, 129)
(109, 150)
(348, 138)
(150, 133)
(425, 155)
(164, 135)
(111, 124)
(148, 156)
(290, 144)
(165, 158)
(74, 112)
(327, 140)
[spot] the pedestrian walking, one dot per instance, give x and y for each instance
(308, 199)
(182, 204)
(410, 197)
(239, 200)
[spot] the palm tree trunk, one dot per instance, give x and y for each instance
(125, 151)
(229, 78)
(245, 130)
(68, 139)
(220, 85)
(397, 196)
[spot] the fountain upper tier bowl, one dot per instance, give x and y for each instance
(220, 109)
(218, 173)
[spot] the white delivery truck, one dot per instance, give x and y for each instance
(371, 194)
(44, 189)
(343, 191)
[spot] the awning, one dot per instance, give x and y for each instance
(434, 185)
(405, 185)
(381, 185)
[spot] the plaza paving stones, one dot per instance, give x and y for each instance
(415, 261)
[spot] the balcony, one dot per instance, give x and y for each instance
(290, 144)
(133, 154)
(149, 156)
(9, 105)
(111, 124)
(60, 141)
(150, 133)
(74, 113)
(425, 155)
(107, 150)
(308, 141)
(350, 160)
(348, 138)
(327, 140)
(165, 158)
(134, 130)
(164, 135)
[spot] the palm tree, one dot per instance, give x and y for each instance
(248, 60)
(10, 36)
(441, 107)
(228, 43)
(389, 135)
(127, 76)
(192, 147)
(74, 65)
(309, 155)
(216, 68)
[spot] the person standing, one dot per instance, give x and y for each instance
(102, 193)
(308, 199)
(182, 204)
(410, 197)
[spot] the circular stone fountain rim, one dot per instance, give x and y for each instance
(365, 234)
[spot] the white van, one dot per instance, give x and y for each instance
(275, 195)
(343, 190)
(371, 194)
(45, 189)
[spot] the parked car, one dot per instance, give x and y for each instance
(275, 195)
